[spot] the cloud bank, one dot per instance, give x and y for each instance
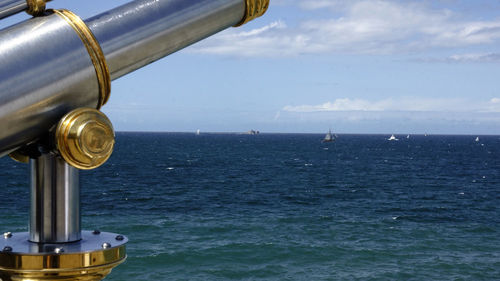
(455, 116)
(359, 27)
(401, 105)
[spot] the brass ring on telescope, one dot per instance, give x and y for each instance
(35, 7)
(253, 10)
(95, 52)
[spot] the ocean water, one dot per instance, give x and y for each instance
(288, 207)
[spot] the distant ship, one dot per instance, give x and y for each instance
(392, 138)
(328, 137)
(198, 131)
(253, 132)
(477, 138)
(408, 136)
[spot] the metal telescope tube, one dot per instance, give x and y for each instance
(141, 32)
(46, 71)
(11, 7)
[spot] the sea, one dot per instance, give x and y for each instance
(289, 207)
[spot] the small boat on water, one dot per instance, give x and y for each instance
(477, 139)
(328, 137)
(408, 136)
(392, 138)
(198, 131)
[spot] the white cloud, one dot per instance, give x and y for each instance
(490, 57)
(321, 4)
(366, 27)
(400, 105)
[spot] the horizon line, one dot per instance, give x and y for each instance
(297, 133)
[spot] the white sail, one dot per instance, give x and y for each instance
(328, 137)
(392, 138)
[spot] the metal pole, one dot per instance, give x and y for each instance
(55, 201)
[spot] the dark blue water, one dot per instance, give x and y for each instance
(287, 207)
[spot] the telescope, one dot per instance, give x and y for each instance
(55, 75)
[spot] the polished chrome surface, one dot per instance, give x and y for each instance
(141, 32)
(45, 72)
(94, 50)
(32, 7)
(10, 7)
(55, 201)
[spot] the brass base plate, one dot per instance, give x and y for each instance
(91, 258)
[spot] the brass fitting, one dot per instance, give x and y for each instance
(79, 266)
(90, 259)
(85, 138)
(36, 7)
(94, 50)
(19, 157)
(253, 10)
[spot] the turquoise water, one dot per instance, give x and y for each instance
(287, 207)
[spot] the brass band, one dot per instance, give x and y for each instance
(74, 266)
(19, 157)
(95, 52)
(35, 7)
(253, 10)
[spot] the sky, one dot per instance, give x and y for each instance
(307, 66)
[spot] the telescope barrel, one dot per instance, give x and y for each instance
(10, 7)
(138, 33)
(47, 71)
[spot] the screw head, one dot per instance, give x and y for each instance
(96, 232)
(59, 250)
(106, 245)
(7, 249)
(7, 235)
(119, 237)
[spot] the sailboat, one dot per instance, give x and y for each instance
(328, 137)
(392, 138)
(477, 139)
(198, 132)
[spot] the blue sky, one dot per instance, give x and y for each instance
(367, 66)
